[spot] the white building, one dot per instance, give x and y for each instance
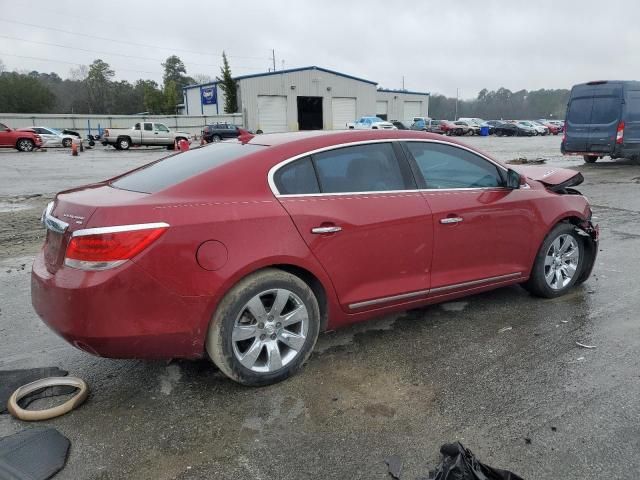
(308, 98)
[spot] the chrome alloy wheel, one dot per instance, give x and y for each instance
(270, 330)
(561, 261)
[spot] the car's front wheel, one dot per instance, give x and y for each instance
(264, 328)
(216, 138)
(558, 263)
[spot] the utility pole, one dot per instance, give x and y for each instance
(402, 82)
(457, 94)
(273, 56)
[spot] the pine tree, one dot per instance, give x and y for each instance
(228, 86)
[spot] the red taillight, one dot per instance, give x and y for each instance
(106, 132)
(103, 248)
(620, 133)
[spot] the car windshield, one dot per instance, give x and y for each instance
(175, 169)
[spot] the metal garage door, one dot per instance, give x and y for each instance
(272, 113)
(381, 109)
(344, 111)
(411, 110)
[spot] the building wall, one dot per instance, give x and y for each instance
(193, 103)
(313, 83)
(395, 103)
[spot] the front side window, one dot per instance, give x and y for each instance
(361, 168)
(447, 167)
(161, 128)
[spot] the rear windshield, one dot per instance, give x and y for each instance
(605, 110)
(580, 110)
(172, 170)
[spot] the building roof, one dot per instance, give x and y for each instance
(405, 92)
(280, 72)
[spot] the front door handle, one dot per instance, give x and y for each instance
(332, 229)
(449, 220)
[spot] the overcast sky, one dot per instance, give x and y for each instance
(437, 46)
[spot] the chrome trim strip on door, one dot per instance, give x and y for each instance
(272, 170)
(118, 228)
(52, 223)
(475, 282)
(377, 301)
(405, 296)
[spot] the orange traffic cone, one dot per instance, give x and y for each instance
(202, 142)
(74, 148)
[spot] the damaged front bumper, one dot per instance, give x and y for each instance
(591, 234)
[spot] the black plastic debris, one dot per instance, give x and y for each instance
(395, 466)
(459, 463)
(10, 380)
(34, 454)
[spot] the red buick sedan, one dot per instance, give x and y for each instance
(245, 250)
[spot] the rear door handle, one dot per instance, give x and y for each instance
(332, 229)
(449, 220)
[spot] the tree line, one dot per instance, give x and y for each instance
(503, 104)
(92, 90)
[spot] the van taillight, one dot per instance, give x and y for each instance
(109, 247)
(106, 132)
(620, 133)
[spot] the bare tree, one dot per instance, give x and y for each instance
(2, 67)
(203, 78)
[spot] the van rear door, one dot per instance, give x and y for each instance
(605, 116)
(578, 118)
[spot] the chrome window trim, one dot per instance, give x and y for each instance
(455, 286)
(276, 167)
(118, 228)
(52, 223)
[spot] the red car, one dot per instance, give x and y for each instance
(246, 250)
(453, 128)
(21, 140)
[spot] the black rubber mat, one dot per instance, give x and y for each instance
(10, 380)
(34, 454)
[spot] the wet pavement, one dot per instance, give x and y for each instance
(527, 399)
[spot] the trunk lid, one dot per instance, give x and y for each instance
(555, 179)
(72, 210)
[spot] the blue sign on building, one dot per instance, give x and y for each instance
(209, 95)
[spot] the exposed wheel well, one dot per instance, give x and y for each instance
(316, 287)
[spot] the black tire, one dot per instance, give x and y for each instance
(123, 143)
(537, 284)
(589, 159)
(219, 337)
(259, 132)
(25, 145)
(66, 142)
(216, 138)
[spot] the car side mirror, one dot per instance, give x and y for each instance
(513, 179)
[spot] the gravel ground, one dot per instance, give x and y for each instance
(527, 399)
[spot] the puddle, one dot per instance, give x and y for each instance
(6, 207)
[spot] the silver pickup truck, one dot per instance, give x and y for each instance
(145, 133)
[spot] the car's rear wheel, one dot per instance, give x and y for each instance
(264, 328)
(216, 138)
(590, 159)
(558, 263)
(66, 142)
(25, 145)
(123, 143)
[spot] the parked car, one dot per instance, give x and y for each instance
(143, 133)
(537, 128)
(401, 125)
(21, 140)
(372, 123)
(227, 251)
(452, 128)
(603, 119)
(52, 137)
(553, 128)
(473, 129)
(430, 125)
(509, 129)
(217, 132)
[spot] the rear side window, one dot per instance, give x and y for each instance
(446, 167)
(605, 110)
(580, 110)
(175, 169)
(297, 178)
(361, 168)
(148, 126)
